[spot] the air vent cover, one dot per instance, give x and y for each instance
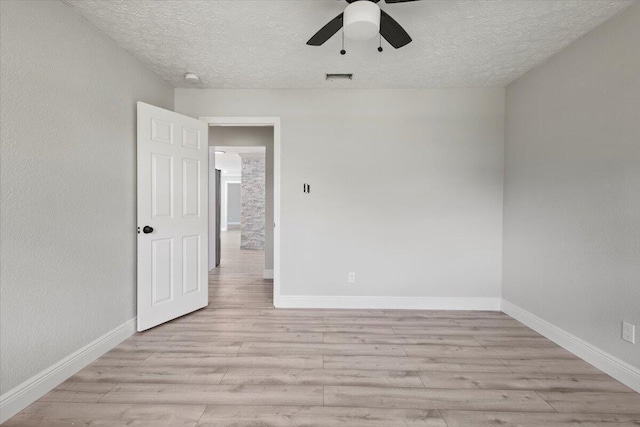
(339, 76)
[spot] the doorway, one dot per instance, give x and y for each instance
(255, 144)
(232, 206)
(246, 194)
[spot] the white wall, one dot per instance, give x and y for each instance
(68, 184)
(438, 154)
(572, 188)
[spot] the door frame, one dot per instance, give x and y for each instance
(226, 203)
(275, 123)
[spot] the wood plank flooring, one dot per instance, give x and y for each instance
(239, 362)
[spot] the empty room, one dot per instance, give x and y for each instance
(320, 213)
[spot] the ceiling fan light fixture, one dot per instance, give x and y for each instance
(361, 20)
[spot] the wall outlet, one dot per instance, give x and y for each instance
(352, 277)
(629, 332)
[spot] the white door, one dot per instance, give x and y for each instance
(172, 215)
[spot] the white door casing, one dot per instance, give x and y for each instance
(172, 173)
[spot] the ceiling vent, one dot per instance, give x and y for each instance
(339, 76)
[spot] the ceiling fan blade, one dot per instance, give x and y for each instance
(392, 31)
(398, 1)
(327, 31)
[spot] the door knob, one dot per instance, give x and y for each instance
(147, 229)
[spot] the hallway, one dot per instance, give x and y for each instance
(238, 282)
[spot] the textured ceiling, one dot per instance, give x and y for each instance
(261, 43)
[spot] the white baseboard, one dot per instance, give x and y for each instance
(401, 303)
(618, 369)
(267, 274)
(21, 396)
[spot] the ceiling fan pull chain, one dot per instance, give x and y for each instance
(380, 46)
(342, 52)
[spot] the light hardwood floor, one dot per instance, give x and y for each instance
(239, 362)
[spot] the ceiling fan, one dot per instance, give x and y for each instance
(362, 20)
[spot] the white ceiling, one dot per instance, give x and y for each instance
(229, 162)
(261, 43)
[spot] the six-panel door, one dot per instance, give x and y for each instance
(172, 200)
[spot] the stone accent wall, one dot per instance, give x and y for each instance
(252, 189)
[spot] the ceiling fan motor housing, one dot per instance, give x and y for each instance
(361, 20)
